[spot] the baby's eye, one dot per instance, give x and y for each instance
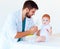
(46, 20)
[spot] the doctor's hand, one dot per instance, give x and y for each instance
(33, 29)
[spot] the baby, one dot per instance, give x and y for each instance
(46, 29)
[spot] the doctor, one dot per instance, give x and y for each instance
(20, 23)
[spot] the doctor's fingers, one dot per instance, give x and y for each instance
(35, 27)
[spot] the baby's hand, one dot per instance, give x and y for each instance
(38, 33)
(47, 30)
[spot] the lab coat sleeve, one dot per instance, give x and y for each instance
(10, 28)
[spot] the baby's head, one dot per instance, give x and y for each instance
(45, 19)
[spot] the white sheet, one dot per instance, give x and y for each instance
(54, 43)
(35, 46)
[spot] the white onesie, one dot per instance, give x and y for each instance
(44, 31)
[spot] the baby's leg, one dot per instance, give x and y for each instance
(41, 39)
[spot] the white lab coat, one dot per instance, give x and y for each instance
(13, 25)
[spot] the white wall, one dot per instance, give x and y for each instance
(52, 7)
(6, 7)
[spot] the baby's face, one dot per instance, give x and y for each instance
(45, 20)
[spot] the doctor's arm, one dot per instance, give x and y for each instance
(22, 34)
(28, 32)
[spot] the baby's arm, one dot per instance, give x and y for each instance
(50, 31)
(38, 33)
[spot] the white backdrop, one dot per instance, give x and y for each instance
(52, 7)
